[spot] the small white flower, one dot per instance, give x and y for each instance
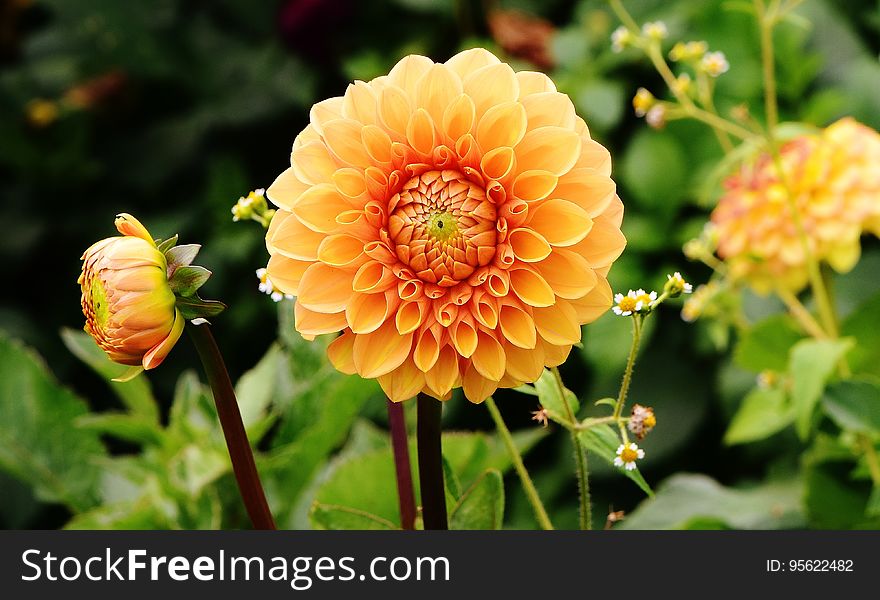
(620, 39)
(627, 455)
(276, 296)
(655, 30)
(715, 63)
(656, 117)
(676, 281)
(624, 306)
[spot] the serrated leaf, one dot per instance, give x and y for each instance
(811, 363)
(39, 443)
(134, 394)
(187, 280)
(482, 505)
(766, 345)
(330, 516)
(854, 405)
(181, 256)
(603, 441)
(761, 414)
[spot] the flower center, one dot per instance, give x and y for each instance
(627, 303)
(628, 455)
(442, 227)
(100, 307)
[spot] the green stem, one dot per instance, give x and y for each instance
(402, 470)
(430, 454)
(765, 23)
(240, 452)
(585, 508)
(870, 457)
(516, 458)
(627, 374)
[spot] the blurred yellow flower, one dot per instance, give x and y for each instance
(126, 299)
(835, 181)
(455, 221)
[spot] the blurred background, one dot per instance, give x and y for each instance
(172, 109)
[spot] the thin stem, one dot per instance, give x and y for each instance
(431, 462)
(233, 429)
(801, 314)
(402, 469)
(627, 374)
(765, 23)
(585, 509)
(528, 486)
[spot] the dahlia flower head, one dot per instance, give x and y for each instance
(126, 298)
(454, 221)
(835, 181)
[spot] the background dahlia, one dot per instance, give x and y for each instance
(454, 221)
(834, 177)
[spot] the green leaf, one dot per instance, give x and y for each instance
(762, 413)
(365, 483)
(469, 454)
(603, 440)
(39, 443)
(552, 400)
(450, 479)
(688, 501)
(193, 307)
(134, 394)
(811, 364)
(766, 345)
(123, 426)
(328, 516)
(187, 280)
(654, 169)
(864, 325)
(833, 500)
(854, 405)
(482, 505)
(166, 245)
(256, 389)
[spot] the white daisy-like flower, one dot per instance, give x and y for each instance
(267, 288)
(626, 305)
(676, 285)
(715, 64)
(627, 455)
(644, 299)
(655, 30)
(621, 38)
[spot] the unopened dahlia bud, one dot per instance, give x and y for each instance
(126, 298)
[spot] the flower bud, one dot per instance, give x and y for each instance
(126, 298)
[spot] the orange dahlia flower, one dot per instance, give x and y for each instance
(834, 177)
(126, 298)
(454, 221)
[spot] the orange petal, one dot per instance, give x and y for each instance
(402, 383)
(382, 351)
(436, 90)
(343, 138)
(558, 324)
(549, 109)
(528, 245)
(286, 189)
(309, 322)
(562, 223)
(588, 188)
(502, 125)
(531, 287)
(350, 183)
(525, 364)
(426, 351)
(550, 149)
(604, 243)
(128, 225)
(294, 240)
(324, 111)
(443, 376)
(156, 355)
(568, 273)
(325, 289)
(491, 85)
(468, 61)
(534, 185)
(489, 357)
(319, 206)
(464, 337)
(458, 118)
(377, 143)
(532, 82)
(595, 304)
(286, 273)
(477, 388)
(365, 313)
(340, 353)
(410, 316)
(498, 163)
(341, 251)
(394, 109)
(555, 355)
(517, 326)
(359, 103)
(420, 132)
(407, 73)
(373, 277)
(312, 163)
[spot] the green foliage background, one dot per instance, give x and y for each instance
(213, 94)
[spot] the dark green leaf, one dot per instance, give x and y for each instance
(603, 440)
(864, 325)
(762, 413)
(854, 405)
(811, 364)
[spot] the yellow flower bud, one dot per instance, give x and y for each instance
(126, 299)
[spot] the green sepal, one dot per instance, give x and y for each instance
(181, 256)
(193, 307)
(187, 280)
(165, 245)
(130, 374)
